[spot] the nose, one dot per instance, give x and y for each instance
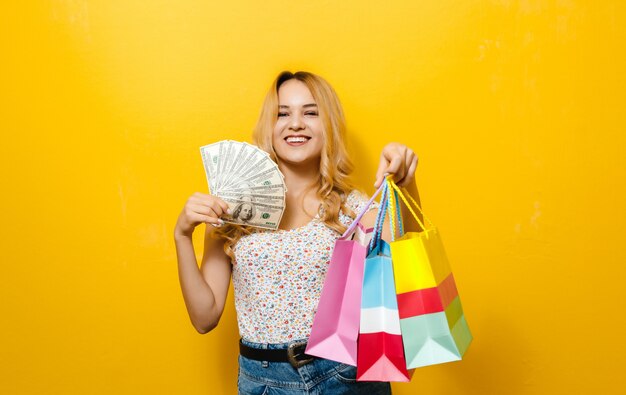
(296, 122)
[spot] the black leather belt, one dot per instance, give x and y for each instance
(294, 354)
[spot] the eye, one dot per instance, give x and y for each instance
(282, 114)
(311, 113)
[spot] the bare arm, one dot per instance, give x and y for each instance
(205, 288)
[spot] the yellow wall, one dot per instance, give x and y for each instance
(516, 109)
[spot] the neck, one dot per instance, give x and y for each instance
(299, 177)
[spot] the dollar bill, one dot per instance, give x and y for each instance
(226, 157)
(259, 165)
(250, 213)
(239, 157)
(267, 177)
(254, 198)
(211, 158)
(265, 172)
(220, 164)
(271, 189)
(244, 163)
(208, 168)
(246, 178)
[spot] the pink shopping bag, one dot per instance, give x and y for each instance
(336, 323)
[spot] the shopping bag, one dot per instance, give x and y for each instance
(380, 355)
(433, 326)
(336, 322)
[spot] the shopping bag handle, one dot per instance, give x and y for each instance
(393, 206)
(380, 219)
(396, 207)
(358, 218)
(380, 248)
(389, 204)
(398, 192)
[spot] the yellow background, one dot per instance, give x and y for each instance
(515, 108)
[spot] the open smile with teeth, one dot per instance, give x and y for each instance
(297, 139)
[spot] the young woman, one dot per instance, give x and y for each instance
(278, 275)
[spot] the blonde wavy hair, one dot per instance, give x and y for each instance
(333, 184)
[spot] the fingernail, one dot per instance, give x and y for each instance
(221, 222)
(229, 211)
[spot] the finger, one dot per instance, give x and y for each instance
(202, 210)
(220, 207)
(380, 173)
(224, 206)
(401, 176)
(395, 165)
(196, 217)
(210, 220)
(215, 204)
(203, 198)
(410, 174)
(396, 168)
(201, 195)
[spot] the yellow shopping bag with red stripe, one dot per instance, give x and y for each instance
(432, 322)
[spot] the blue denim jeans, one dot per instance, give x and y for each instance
(320, 376)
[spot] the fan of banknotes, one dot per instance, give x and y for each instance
(247, 179)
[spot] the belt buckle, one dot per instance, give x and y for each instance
(294, 351)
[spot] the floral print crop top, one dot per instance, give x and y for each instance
(278, 277)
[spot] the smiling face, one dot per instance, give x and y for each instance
(298, 136)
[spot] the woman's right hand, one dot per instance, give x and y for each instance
(200, 207)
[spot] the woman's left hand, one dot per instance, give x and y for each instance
(399, 160)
